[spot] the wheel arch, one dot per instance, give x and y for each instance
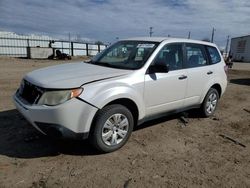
(203, 108)
(218, 88)
(128, 103)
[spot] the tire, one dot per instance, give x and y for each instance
(112, 128)
(210, 102)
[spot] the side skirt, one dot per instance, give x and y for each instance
(167, 113)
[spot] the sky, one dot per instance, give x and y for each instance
(107, 20)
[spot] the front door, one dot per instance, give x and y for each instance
(165, 91)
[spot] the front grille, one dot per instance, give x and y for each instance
(29, 92)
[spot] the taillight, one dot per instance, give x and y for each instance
(226, 69)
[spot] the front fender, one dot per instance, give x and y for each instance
(101, 94)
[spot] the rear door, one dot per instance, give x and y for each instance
(198, 72)
(216, 67)
(166, 91)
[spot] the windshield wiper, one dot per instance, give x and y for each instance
(105, 64)
(110, 65)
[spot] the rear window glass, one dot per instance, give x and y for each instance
(196, 55)
(214, 55)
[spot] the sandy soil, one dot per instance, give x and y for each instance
(161, 153)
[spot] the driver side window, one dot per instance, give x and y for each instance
(170, 55)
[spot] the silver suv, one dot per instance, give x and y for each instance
(131, 81)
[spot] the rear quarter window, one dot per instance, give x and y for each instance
(213, 54)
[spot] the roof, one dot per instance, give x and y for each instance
(170, 39)
(151, 39)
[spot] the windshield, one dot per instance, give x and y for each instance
(125, 54)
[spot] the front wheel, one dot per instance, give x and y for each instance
(113, 126)
(210, 103)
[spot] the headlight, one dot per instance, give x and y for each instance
(52, 98)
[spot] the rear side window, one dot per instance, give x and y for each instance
(196, 56)
(214, 55)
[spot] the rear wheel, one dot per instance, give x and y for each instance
(210, 103)
(112, 128)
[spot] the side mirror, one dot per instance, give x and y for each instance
(158, 68)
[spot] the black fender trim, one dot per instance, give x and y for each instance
(58, 131)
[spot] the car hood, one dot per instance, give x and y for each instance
(72, 75)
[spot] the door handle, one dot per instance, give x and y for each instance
(210, 72)
(182, 77)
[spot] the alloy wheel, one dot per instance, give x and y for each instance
(211, 103)
(115, 129)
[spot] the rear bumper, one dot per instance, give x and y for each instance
(71, 119)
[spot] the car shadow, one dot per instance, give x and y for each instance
(155, 121)
(194, 113)
(20, 140)
(241, 81)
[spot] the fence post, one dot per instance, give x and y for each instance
(72, 49)
(28, 49)
(62, 46)
(87, 49)
(99, 49)
(28, 42)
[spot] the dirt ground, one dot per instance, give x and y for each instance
(161, 153)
